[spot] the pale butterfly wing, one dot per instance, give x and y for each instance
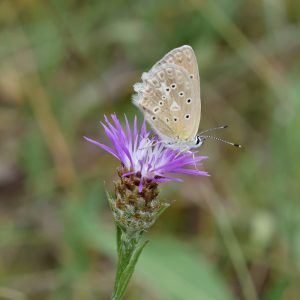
(169, 95)
(165, 97)
(185, 57)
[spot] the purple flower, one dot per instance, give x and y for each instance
(146, 156)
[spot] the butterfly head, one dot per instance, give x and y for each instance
(198, 141)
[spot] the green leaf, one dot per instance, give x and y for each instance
(179, 272)
(123, 280)
(172, 269)
(119, 251)
(118, 237)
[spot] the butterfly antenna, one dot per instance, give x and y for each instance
(213, 129)
(220, 140)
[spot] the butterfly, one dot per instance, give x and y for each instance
(169, 97)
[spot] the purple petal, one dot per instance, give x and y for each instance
(170, 178)
(128, 173)
(135, 130)
(119, 145)
(190, 171)
(104, 147)
(141, 185)
(129, 136)
(151, 158)
(143, 129)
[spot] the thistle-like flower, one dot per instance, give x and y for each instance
(145, 163)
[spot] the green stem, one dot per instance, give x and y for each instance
(129, 250)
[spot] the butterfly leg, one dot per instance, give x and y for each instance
(195, 162)
(182, 151)
(151, 145)
(188, 151)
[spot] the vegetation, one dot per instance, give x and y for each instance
(64, 64)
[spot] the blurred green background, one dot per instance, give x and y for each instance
(63, 64)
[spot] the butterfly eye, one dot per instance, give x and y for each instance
(181, 94)
(153, 118)
(188, 100)
(187, 116)
(173, 86)
(167, 89)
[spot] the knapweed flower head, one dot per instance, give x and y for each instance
(145, 162)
